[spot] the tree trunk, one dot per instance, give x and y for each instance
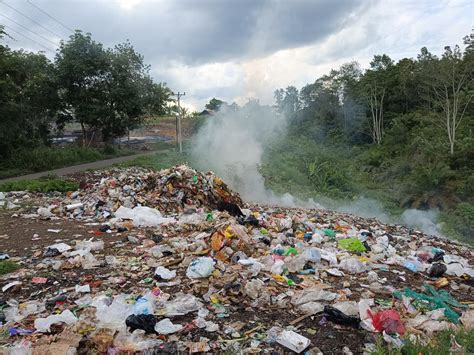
(84, 138)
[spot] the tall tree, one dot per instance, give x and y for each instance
(82, 66)
(449, 78)
(28, 99)
(375, 84)
(158, 96)
(124, 102)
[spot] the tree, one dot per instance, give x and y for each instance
(215, 104)
(448, 79)
(28, 99)
(287, 101)
(82, 66)
(158, 97)
(375, 84)
(106, 90)
(124, 100)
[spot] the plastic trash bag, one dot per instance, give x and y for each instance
(144, 322)
(111, 312)
(253, 288)
(165, 326)
(467, 319)
(61, 247)
(311, 307)
(194, 218)
(336, 316)
(200, 268)
(437, 270)
(43, 324)
(312, 294)
(435, 299)
(182, 304)
(143, 216)
(353, 265)
(89, 245)
(164, 273)
(143, 306)
(351, 244)
(388, 321)
(348, 307)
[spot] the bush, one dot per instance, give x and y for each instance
(461, 221)
(328, 176)
(49, 184)
(441, 344)
(46, 158)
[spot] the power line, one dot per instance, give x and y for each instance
(29, 18)
(31, 39)
(50, 16)
(36, 34)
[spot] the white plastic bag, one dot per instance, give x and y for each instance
(200, 268)
(143, 216)
(43, 324)
(182, 304)
(165, 327)
(165, 273)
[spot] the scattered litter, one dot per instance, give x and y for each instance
(174, 262)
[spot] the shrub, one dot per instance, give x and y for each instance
(49, 184)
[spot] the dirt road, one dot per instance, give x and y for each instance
(78, 168)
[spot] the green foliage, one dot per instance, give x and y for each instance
(104, 90)
(160, 160)
(328, 176)
(7, 266)
(441, 344)
(28, 99)
(43, 158)
(459, 222)
(215, 104)
(48, 184)
(430, 176)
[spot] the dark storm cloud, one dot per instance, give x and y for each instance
(193, 32)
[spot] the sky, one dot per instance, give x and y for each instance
(240, 49)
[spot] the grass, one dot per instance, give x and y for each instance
(44, 158)
(48, 184)
(441, 344)
(160, 160)
(7, 266)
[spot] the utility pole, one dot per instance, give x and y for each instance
(179, 137)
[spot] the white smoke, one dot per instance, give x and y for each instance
(424, 221)
(232, 143)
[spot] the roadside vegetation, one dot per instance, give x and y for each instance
(41, 158)
(444, 342)
(46, 184)
(103, 92)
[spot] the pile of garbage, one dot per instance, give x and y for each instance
(170, 190)
(193, 269)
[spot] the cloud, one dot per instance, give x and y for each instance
(235, 49)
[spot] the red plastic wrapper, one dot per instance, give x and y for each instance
(388, 321)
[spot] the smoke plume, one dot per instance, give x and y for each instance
(232, 143)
